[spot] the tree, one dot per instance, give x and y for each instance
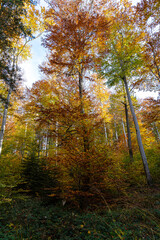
(148, 18)
(119, 106)
(11, 13)
(53, 101)
(150, 115)
(123, 58)
(128, 130)
(101, 101)
(72, 30)
(14, 31)
(11, 76)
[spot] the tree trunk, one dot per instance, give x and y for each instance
(105, 132)
(85, 136)
(56, 141)
(39, 143)
(143, 155)
(155, 130)
(3, 126)
(124, 131)
(81, 91)
(128, 133)
(115, 129)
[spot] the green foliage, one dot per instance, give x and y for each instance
(135, 170)
(37, 175)
(30, 219)
(153, 155)
(124, 45)
(9, 176)
(11, 22)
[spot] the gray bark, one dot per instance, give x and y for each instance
(85, 137)
(115, 128)
(143, 155)
(124, 131)
(156, 132)
(3, 126)
(56, 140)
(105, 132)
(81, 91)
(128, 133)
(24, 143)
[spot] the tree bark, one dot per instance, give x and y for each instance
(128, 133)
(3, 126)
(156, 132)
(124, 131)
(115, 128)
(56, 141)
(105, 132)
(81, 91)
(143, 155)
(85, 136)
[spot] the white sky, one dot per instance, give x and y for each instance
(30, 68)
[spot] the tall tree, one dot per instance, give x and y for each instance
(73, 29)
(11, 24)
(123, 58)
(14, 16)
(11, 76)
(128, 131)
(148, 18)
(150, 115)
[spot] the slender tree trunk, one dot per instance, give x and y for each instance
(81, 91)
(143, 155)
(38, 140)
(85, 136)
(115, 128)
(3, 126)
(47, 140)
(155, 130)
(57, 140)
(105, 132)
(128, 133)
(104, 125)
(24, 143)
(124, 131)
(85, 180)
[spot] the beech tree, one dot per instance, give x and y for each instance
(17, 29)
(123, 58)
(150, 115)
(148, 19)
(72, 31)
(119, 105)
(101, 101)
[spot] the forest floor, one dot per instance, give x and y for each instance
(133, 216)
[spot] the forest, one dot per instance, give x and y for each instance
(79, 152)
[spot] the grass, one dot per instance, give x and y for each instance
(134, 217)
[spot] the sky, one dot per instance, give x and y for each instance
(30, 68)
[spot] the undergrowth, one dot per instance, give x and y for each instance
(135, 218)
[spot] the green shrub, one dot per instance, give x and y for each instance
(37, 175)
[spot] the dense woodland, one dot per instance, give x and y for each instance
(79, 139)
